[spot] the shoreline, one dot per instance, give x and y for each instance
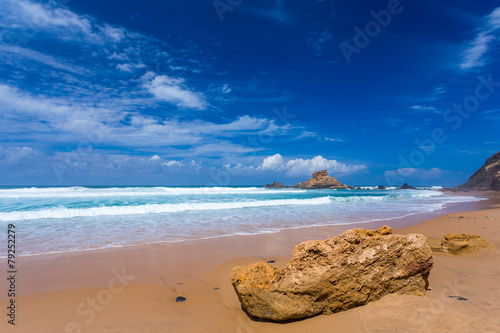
(194, 269)
(412, 217)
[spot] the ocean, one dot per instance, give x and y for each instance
(65, 219)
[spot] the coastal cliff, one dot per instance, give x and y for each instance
(486, 178)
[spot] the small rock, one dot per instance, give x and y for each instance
(180, 299)
(271, 261)
(216, 288)
(460, 298)
(459, 244)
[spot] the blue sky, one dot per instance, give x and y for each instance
(247, 91)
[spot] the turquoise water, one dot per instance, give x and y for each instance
(61, 219)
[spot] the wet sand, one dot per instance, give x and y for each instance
(133, 289)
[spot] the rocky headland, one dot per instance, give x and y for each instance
(487, 178)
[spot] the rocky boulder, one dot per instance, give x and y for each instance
(407, 187)
(343, 272)
(459, 244)
(321, 180)
(485, 178)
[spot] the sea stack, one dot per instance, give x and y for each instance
(321, 180)
(487, 178)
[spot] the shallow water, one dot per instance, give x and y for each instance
(61, 219)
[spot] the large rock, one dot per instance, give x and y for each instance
(486, 178)
(321, 180)
(459, 244)
(343, 272)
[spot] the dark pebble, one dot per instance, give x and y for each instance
(216, 288)
(460, 298)
(180, 299)
(271, 261)
(180, 283)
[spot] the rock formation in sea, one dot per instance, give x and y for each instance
(459, 244)
(407, 187)
(320, 180)
(276, 185)
(343, 272)
(486, 178)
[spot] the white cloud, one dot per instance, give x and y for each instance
(172, 163)
(275, 163)
(415, 173)
(298, 166)
(129, 67)
(70, 120)
(226, 89)
(473, 55)
(173, 90)
(40, 57)
(301, 166)
(58, 21)
(333, 139)
(154, 158)
(424, 108)
(13, 155)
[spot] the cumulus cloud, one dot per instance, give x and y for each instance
(14, 155)
(275, 163)
(302, 166)
(173, 90)
(474, 54)
(298, 166)
(154, 158)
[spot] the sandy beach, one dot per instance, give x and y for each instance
(133, 289)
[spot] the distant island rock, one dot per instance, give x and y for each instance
(276, 185)
(407, 187)
(486, 178)
(320, 180)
